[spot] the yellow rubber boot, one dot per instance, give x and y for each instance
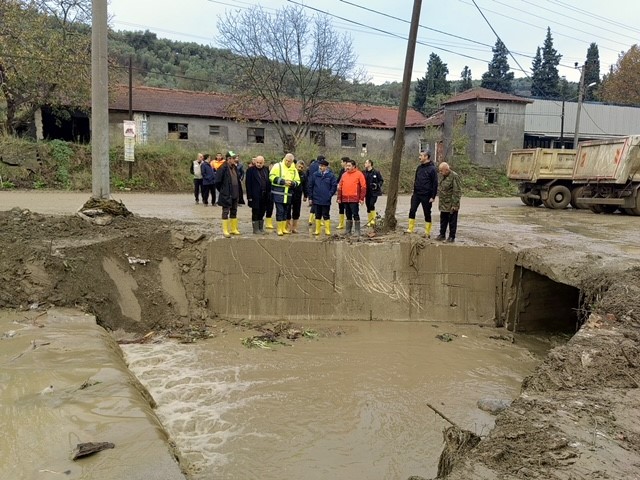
(268, 223)
(312, 218)
(233, 224)
(427, 229)
(225, 228)
(280, 228)
(318, 227)
(327, 228)
(341, 222)
(412, 225)
(372, 222)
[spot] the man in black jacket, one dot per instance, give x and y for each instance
(425, 189)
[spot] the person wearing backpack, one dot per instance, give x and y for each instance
(196, 171)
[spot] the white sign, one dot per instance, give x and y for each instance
(129, 129)
(129, 149)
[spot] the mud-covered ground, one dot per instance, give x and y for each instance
(577, 416)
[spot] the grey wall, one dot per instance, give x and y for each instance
(303, 280)
(508, 132)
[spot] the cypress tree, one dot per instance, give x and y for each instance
(547, 80)
(592, 72)
(498, 77)
(465, 75)
(433, 84)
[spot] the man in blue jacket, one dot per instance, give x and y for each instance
(322, 187)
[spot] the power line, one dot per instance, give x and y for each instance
(600, 27)
(498, 37)
(554, 21)
(401, 37)
(598, 17)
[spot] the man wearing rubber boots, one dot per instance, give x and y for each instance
(425, 189)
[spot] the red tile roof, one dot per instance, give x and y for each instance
(219, 105)
(480, 93)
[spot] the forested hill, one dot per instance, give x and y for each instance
(159, 62)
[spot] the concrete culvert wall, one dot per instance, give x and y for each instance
(268, 279)
(542, 304)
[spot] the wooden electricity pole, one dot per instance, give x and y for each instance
(99, 101)
(390, 221)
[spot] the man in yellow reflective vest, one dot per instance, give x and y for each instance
(284, 177)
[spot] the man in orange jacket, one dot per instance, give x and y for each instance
(352, 190)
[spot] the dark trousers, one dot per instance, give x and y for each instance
(449, 219)
(230, 212)
(352, 210)
(296, 205)
(206, 190)
(269, 210)
(322, 211)
(341, 208)
(370, 202)
(283, 211)
(197, 189)
(416, 200)
(257, 212)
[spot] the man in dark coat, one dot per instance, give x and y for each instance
(374, 189)
(425, 189)
(230, 187)
(314, 166)
(208, 181)
(258, 192)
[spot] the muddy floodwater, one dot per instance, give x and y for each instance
(348, 406)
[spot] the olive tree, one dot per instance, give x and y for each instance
(291, 65)
(45, 57)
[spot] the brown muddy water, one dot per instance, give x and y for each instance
(343, 407)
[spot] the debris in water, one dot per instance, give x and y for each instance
(446, 337)
(86, 449)
(47, 390)
(140, 261)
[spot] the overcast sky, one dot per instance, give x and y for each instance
(453, 29)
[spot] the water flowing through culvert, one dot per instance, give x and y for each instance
(343, 407)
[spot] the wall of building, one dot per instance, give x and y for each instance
(505, 133)
(233, 135)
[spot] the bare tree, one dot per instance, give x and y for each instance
(291, 65)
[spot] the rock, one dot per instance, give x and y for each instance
(492, 405)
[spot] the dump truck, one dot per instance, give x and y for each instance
(544, 176)
(607, 174)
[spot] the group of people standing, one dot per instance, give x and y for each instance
(285, 184)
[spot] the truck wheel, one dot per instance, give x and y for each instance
(577, 193)
(559, 197)
(634, 211)
(526, 201)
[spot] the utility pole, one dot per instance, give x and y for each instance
(390, 221)
(130, 105)
(576, 134)
(99, 101)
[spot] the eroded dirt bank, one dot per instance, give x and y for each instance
(577, 415)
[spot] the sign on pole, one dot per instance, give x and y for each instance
(129, 140)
